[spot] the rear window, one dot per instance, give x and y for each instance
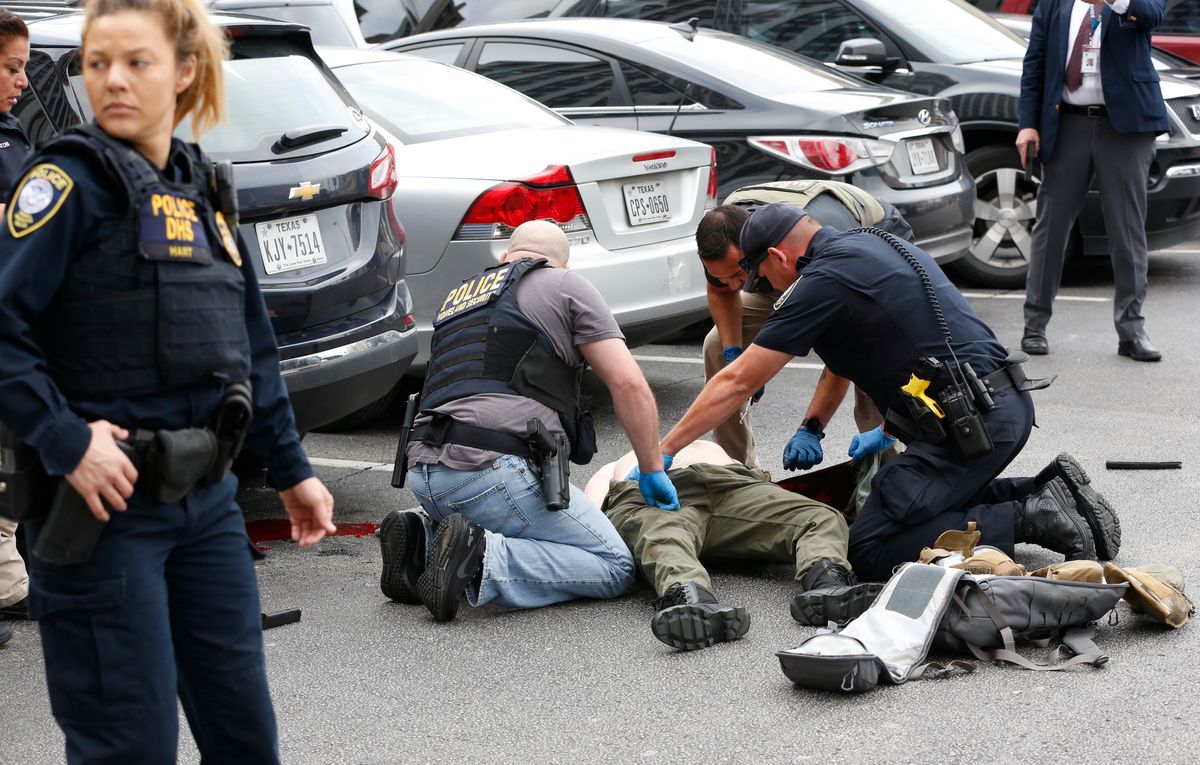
(420, 101)
(323, 21)
(757, 68)
(261, 111)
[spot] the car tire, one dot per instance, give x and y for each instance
(1005, 208)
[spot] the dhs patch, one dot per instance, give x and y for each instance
(171, 230)
(39, 196)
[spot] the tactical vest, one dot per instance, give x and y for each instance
(864, 207)
(483, 344)
(158, 299)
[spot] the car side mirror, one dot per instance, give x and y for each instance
(861, 52)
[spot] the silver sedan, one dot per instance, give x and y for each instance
(476, 159)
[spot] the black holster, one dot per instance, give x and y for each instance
(400, 467)
(551, 457)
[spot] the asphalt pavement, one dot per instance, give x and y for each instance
(362, 680)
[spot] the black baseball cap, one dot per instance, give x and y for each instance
(765, 228)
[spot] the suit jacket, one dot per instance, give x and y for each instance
(1127, 75)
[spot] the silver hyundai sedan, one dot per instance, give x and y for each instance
(476, 159)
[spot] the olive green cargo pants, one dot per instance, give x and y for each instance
(729, 512)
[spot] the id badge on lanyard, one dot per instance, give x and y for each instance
(1091, 49)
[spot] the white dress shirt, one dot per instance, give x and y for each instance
(1091, 91)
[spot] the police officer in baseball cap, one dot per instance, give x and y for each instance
(873, 307)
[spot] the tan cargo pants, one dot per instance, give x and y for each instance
(14, 581)
(728, 512)
(736, 435)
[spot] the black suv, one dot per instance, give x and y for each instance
(942, 48)
(314, 179)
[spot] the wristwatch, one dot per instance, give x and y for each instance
(813, 425)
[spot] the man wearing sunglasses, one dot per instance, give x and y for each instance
(740, 306)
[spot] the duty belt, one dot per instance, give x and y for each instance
(442, 429)
(1012, 375)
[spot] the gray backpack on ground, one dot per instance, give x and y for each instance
(924, 604)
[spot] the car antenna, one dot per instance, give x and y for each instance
(688, 28)
(678, 107)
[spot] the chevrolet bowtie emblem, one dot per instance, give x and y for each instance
(305, 191)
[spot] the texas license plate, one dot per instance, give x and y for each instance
(290, 243)
(646, 202)
(921, 155)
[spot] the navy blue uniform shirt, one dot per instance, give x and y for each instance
(31, 404)
(862, 308)
(15, 148)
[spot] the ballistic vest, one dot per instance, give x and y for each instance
(483, 344)
(158, 299)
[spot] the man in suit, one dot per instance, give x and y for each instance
(1083, 58)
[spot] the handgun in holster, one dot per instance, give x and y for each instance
(70, 532)
(400, 467)
(551, 455)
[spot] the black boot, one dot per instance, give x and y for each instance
(402, 542)
(832, 593)
(1100, 516)
(1048, 518)
(458, 549)
(688, 617)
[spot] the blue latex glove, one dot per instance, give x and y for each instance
(636, 473)
(803, 450)
(730, 354)
(658, 491)
(871, 442)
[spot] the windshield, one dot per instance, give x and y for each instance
(420, 101)
(764, 70)
(947, 31)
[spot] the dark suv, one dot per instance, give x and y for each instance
(314, 179)
(943, 48)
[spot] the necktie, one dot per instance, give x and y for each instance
(1074, 76)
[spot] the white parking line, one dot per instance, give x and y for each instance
(1021, 296)
(350, 464)
(684, 360)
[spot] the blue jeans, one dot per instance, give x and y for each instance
(534, 556)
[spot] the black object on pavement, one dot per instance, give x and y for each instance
(280, 618)
(1143, 464)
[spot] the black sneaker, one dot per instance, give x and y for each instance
(5, 632)
(16, 612)
(1095, 509)
(458, 550)
(1048, 518)
(402, 541)
(832, 593)
(688, 617)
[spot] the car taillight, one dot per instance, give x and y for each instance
(836, 155)
(382, 180)
(550, 195)
(712, 181)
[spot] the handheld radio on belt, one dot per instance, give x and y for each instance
(956, 412)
